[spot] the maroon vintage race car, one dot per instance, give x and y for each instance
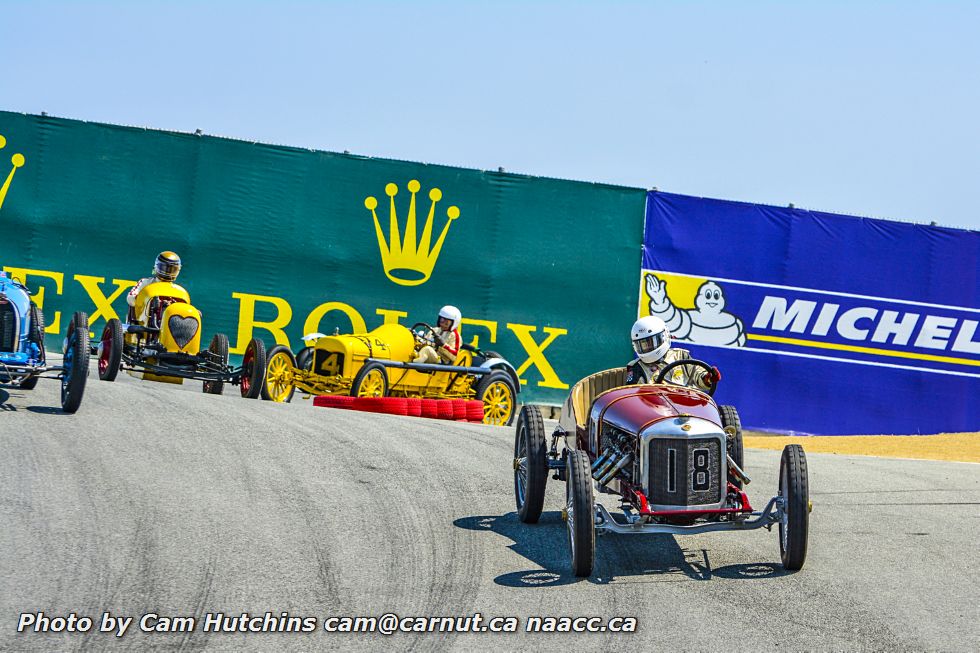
(669, 453)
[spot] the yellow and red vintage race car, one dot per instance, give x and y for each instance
(379, 364)
(161, 341)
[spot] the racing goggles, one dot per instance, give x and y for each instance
(648, 344)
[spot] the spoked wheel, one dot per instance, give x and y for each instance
(75, 363)
(496, 391)
(371, 381)
(110, 350)
(580, 513)
(732, 425)
(530, 465)
(794, 488)
(253, 369)
(218, 347)
(278, 384)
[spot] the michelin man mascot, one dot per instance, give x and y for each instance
(706, 324)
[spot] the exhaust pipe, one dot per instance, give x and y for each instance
(599, 473)
(601, 460)
(738, 471)
(615, 470)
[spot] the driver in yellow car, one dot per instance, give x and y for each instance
(166, 268)
(651, 342)
(447, 338)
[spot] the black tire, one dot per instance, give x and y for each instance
(794, 488)
(491, 354)
(530, 464)
(491, 384)
(35, 335)
(304, 359)
(253, 369)
(355, 387)
(29, 382)
(732, 425)
(112, 346)
(219, 346)
(278, 350)
(76, 363)
(580, 513)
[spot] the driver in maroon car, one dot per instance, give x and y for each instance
(651, 342)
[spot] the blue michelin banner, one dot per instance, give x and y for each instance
(820, 323)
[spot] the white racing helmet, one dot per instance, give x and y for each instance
(450, 313)
(651, 339)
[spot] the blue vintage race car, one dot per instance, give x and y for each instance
(22, 357)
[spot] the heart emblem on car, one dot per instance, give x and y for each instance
(182, 329)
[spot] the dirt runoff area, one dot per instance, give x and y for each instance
(963, 447)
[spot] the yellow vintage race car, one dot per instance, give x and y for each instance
(379, 364)
(161, 341)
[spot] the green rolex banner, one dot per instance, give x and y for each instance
(278, 241)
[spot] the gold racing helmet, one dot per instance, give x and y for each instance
(167, 266)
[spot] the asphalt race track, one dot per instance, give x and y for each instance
(155, 499)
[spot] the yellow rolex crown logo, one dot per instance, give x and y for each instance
(408, 260)
(17, 160)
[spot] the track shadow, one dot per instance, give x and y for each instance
(46, 410)
(652, 557)
(4, 406)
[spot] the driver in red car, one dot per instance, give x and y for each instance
(447, 338)
(651, 342)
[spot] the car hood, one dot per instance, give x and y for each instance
(635, 407)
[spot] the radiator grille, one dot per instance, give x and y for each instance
(685, 472)
(8, 328)
(328, 363)
(182, 329)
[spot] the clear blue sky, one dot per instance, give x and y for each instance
(854, 107)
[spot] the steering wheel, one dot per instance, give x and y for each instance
(692, 362)
(424, 333)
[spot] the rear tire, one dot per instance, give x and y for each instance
(278, 369)
(111, 354)
(580, 513)
(219, 346)
(530, 464)
(732, 426)
(253, 369)
(794, 488)
(370, 381)
(76, 363)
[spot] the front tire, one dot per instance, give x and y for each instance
(732, 425)
(530, 464)
(794, 488)
(218, 346)
(278, 385)
(110, 355)
(580, 513)
(497, 392)
(75, 363)
(253, 369)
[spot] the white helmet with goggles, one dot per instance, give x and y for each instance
(651, 339)
(450, 313)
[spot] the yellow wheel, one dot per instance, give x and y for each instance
(496, 391)
(371, 381)
(278, 384)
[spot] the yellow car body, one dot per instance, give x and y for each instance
(379, 363)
